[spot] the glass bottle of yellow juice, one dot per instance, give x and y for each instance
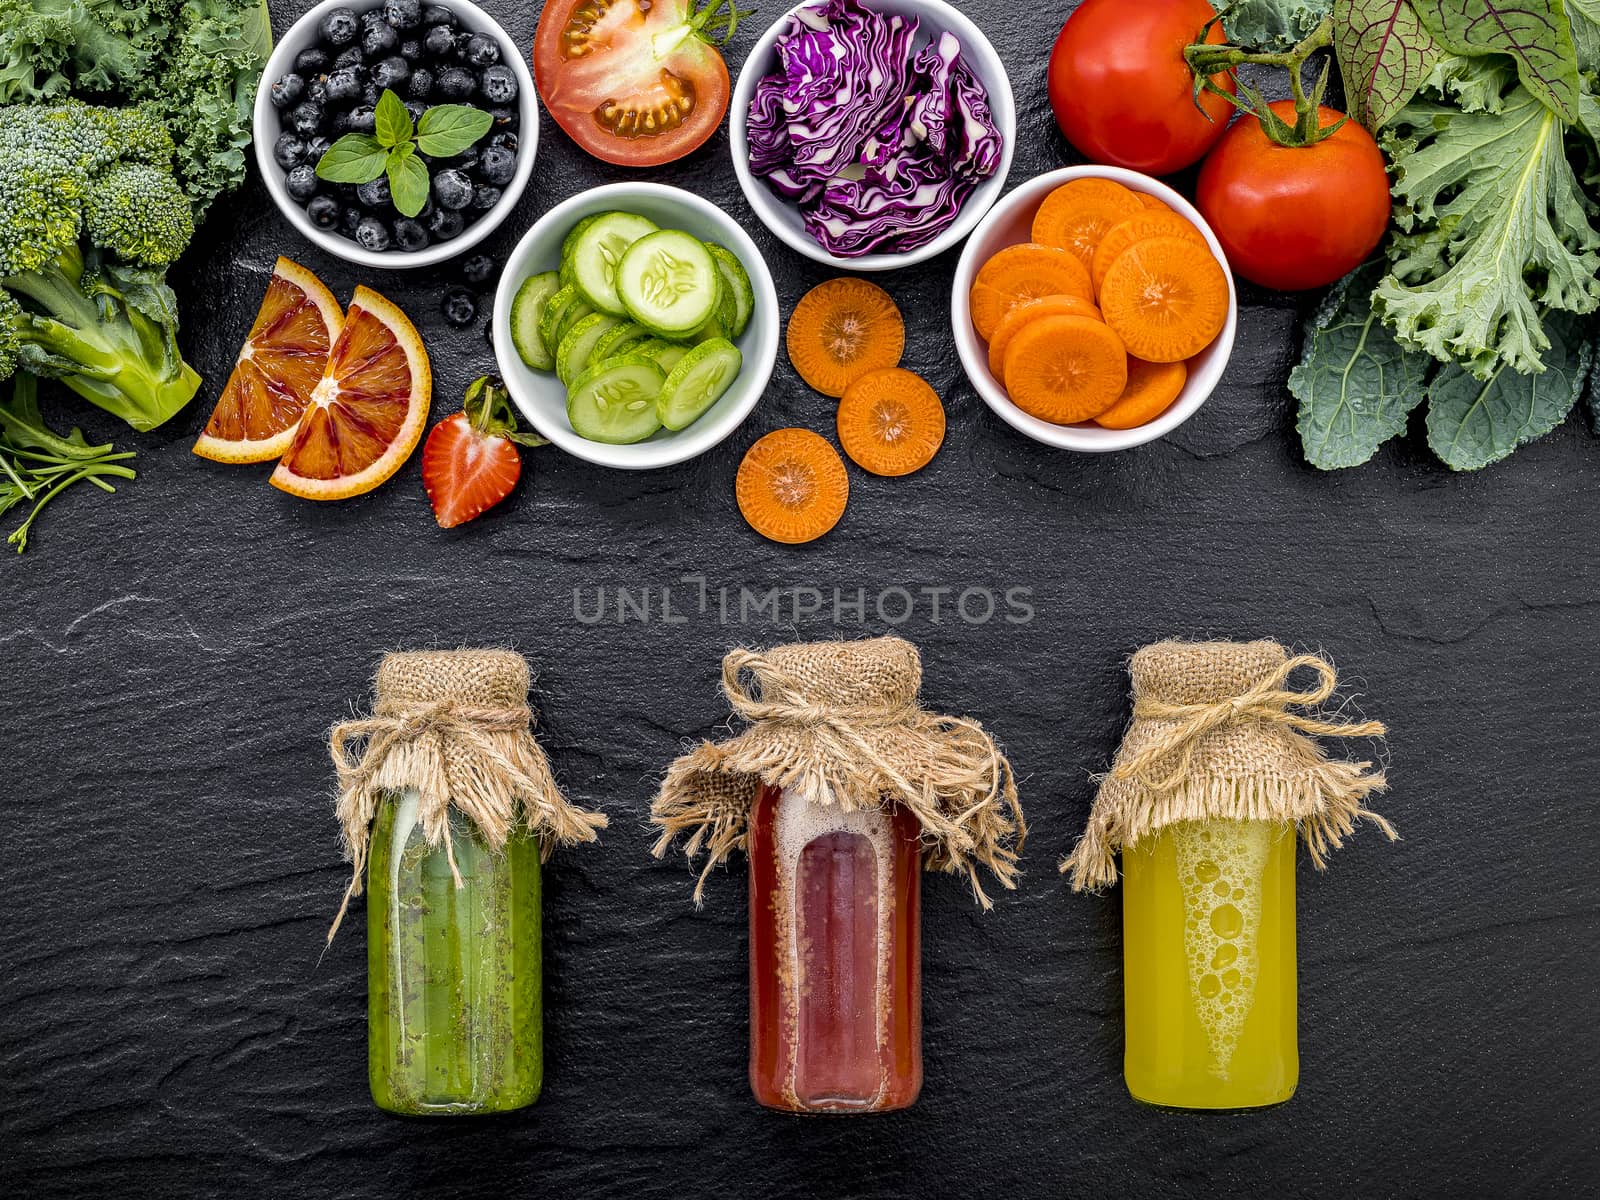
(1215, 783)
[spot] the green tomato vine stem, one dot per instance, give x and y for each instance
(1208, 59)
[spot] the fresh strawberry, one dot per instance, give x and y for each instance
(470, 462)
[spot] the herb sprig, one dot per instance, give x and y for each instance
(395, 143)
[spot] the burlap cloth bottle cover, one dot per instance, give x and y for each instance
(841, 722)
(1213, 737)
(454, 725)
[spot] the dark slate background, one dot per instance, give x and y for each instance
(170, 658)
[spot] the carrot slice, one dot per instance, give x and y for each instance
(792, 486)
(842, 329)
(1018, 274)
(1152, 222)
(1012, 323)
(1151, 390)
(1066, 369)
(1166, 298)
(1150, 201)
(891, 422)
(1078, 214)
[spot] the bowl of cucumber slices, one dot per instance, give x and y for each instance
(636, 325)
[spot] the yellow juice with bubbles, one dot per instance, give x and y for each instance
(1209, 965)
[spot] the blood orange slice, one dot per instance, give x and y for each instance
(368, 411)
(280, 363)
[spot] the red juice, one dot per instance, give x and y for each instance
(835, 956)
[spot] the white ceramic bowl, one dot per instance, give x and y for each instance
(1011, 222)
(784, 219)
(542, 398)
(268, 124)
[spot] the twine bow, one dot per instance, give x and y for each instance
(1267, 701)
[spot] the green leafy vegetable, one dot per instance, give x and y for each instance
(1356, 384)
(1584, 16)
(1495, 227)
(1270, 24)
(1385, 52)
(1473, 422)
(392, 148)
(1534, 33)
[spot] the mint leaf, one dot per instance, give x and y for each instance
(1474, 422)
(408, 181)
(392, 125)
(448, 129)
(354, 158)
(1495, 230)
(1270, 24)
(1356, 384)
(1533, 32)
(1384, 52)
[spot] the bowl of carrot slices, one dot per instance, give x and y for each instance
(1094, 310)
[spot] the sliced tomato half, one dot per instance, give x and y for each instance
(635, 82)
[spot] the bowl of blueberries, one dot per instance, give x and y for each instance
(329, 76)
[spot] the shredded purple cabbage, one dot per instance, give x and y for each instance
(878, 147)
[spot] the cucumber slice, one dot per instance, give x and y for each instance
(697, 382)
(569, 243)
(576, 312)
(527, 312)
(669, 282)
(598, 250)
(572, 356)
(550, 324)
(624, 338)
(738, 281)
(667, 354)
(615, 402)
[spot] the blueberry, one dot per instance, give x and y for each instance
(409, 235)
(452, 188)
(371, 94)
(478, 269)
(503, 140)
(317, 90)
(416, 108)
(306, 119)
(484, 198)
(411, 50)
(362, 119)
(372, 234)
(498, 85)
(458, 307)
(445, 224)
(465, 161)
(317, 147)
(289, 151)
(340, 123)
(439, 42)
(392, 72)
(349, 57)
(482, 50)
(313, 60)
(403, 14)
(420, 86)
(374, 193)
(340, 27)
(457, 84)
(344, 86)
(301, 182)
(350, 218)
(323, 211)
(496, 166)
(504, 118)
(288, 90)
(378, 37)
(437, 14)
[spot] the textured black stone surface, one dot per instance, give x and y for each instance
(170, 658)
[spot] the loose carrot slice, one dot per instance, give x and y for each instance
(1150, 201)
(1166, 298)
(1066, 369)
(1152, 387)
(1021, 273)
(842, 329)
(792, 486)
(1152, 222)
(1078, 214)
(891, 422)
(1013, 321)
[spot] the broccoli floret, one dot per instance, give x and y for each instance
(90, 216)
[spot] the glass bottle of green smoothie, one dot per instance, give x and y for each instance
(447, 804)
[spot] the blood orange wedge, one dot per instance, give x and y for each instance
(280, 363)
(368, 411)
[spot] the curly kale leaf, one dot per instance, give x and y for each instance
(1270, 24)
(1535, 33)
(1495, 230)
